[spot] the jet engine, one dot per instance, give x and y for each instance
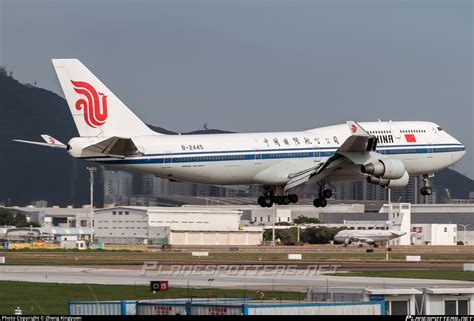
(86, 146)
(401, 182)
(75, 146)
(386, 168)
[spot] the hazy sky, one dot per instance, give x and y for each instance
(259, 65)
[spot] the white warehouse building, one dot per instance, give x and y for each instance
(187, 225)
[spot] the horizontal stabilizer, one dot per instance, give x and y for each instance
(56, 145)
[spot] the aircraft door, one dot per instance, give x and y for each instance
(168, 159)
(317, 154)
(430, 150)
(395, 130)
(258, 156)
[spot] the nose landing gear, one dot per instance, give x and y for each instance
(426, 190)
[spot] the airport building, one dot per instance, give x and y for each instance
(173, 225)
(45, 233)
(430, 224)
(440, 224)
(326, 301)
(405, 301)
(63, 217)
(223, 306)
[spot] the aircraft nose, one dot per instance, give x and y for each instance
(452, 139)
(460, 149)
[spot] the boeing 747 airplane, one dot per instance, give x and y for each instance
(383, 153)
(371, 237)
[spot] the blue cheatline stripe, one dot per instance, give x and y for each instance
(314, 149)
(263, 156)
(291, 149)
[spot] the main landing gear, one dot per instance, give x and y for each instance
(268, 198)
(323, 195)
(426, 190)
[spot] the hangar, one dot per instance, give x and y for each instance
(173, 225)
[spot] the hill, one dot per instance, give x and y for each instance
(31, 172)
(458, 185)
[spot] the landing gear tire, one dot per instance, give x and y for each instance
(317, 202)
(327, 193)
(268, 202)
(426, 191)
(293, 198)
(277, 200)
(324, 202)
(268, 199)
(265, 201)
(320, 202)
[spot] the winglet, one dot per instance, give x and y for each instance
(356, 129)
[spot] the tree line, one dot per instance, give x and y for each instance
(311, 235)
(8, 218)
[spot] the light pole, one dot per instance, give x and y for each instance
(273, 224)
(92, 170)
(465, 226)
(298, 232)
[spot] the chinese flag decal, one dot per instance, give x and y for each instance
(410, 138)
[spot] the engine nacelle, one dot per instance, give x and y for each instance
(401, 182)
(385, 168)
(378, 181)
(75, 145)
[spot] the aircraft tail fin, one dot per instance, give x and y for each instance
(96, 111)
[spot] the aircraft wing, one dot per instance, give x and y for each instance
(356, 149)
(363, 239)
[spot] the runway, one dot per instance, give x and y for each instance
(276, 278)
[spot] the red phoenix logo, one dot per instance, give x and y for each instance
(94, 104)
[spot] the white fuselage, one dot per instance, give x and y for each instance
(366, 236)
(270, 158)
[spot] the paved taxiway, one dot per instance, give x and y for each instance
(261, 278)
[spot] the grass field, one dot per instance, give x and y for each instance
(424, 274)
(52, 298)
(94, 257)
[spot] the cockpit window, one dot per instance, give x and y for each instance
(440, 129)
